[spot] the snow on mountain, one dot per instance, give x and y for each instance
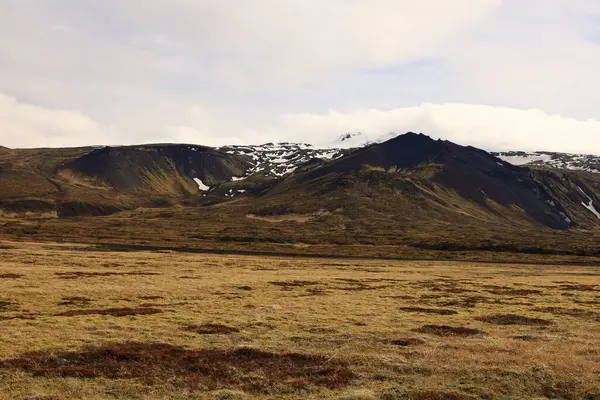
(279, 159)
(577, 162)
(351, 140)
(201, 185)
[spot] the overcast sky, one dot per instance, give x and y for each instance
(498, 74)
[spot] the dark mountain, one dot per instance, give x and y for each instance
(160, 168)
(100, 181)
(413, 177)
(400, 197)
(408, 181)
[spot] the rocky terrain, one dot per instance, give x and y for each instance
(574, 162)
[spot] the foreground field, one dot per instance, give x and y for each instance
(76, 322)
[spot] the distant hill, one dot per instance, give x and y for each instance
(413, 177)
(408, 179)
(100, 181)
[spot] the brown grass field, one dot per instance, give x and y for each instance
(77, 322)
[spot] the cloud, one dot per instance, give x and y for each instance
(488, 127)
(216, 72)
(287, 42)
(26, 125)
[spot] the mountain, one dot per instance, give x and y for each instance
(160, 168)
(408, 178)
(104, 180)
(413, 177)
(100, 181)
(409, 192)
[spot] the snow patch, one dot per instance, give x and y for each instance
(525, 159)
(589, 206)
(280, 159)
(576, 162)
(201, 185)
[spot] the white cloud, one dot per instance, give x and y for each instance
(488, 127)
(286, 42)
(26, 125)
(135, 71)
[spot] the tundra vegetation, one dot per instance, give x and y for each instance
(78, 321)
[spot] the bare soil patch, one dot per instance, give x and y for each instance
(571, 312)
(441, 285)
(407, 342)
(513, 319)
(79, 274)
(150, 297)
(467, 301)
(314, 292)
(357, 285)
(444, 330)
(14, 317)
(115, 312)
(249, 369)
(438, 311)
(74, 301)
(287, 217)
(11, 276)
(6, 305)
(295, 283)
(527, 338)
(579, 288)
(438, 395)
(510, 291)
(211, 329)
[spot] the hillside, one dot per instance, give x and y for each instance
(406, 195)
(99, 181)
(413, 177)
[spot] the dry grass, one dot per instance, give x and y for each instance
(295, 328)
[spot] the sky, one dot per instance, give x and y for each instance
(496, 74)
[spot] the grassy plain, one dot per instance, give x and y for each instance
(80, 323)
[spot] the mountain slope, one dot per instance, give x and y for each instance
(166, 169)
(414, 178)
(409, 179)
(99, 181)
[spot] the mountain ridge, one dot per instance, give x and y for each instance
(103, 180)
